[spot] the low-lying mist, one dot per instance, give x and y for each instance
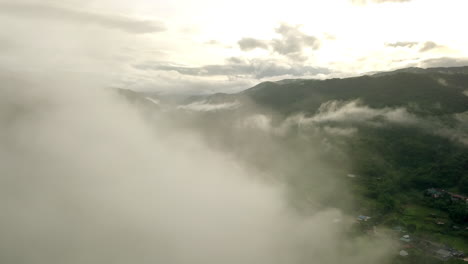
(86, 177)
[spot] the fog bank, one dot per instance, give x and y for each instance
(86, 178)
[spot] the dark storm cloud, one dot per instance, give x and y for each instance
(55, 12)
(236, 67)
(247, 44)
(408, 44)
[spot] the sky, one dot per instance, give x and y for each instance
(208, 46)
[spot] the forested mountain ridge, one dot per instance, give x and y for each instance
(434, 93)
(389, 138)
(403, 131)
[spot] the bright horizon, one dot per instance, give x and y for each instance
(220, 46)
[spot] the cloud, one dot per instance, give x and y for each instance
(407, 44)
(356, 112)
(204, 106)
(208, 70)
(247, 44)
(293, 41)
(110, 186)
(153, 100)
(430, 45)
(236, 60)
(172, 82)
(424, 46)
(291, 44)
(343, 119)
(55, 12)
(444, 62)
(257, 121)
(236, 67)
(335, 118)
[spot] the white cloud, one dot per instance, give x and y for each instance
(247, 44)
(258, 121)
(102, 183)
(153, 100)
(106, 38)
(256, 68)
(204, 106)
(63, 14)
(356, 112)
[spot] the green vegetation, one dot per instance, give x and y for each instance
(422, 93)
(396, 162)
(393, 162)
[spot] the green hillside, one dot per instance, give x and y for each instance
(433, 93)
(399, 133)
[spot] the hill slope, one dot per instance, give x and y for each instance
(434, 93)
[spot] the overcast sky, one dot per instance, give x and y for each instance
(206, 46)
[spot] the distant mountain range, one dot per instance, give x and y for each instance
(444, 70)
(432, 91)
(398, 133)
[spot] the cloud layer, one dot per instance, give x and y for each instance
(63, 14)
(204, 106)
(104, 183)
(238, 67)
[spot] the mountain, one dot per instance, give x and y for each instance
(408, 126)
(398, 134)
(433, 91)
(443, 70)
(401, 131)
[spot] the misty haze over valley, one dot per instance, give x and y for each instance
(213, 132)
